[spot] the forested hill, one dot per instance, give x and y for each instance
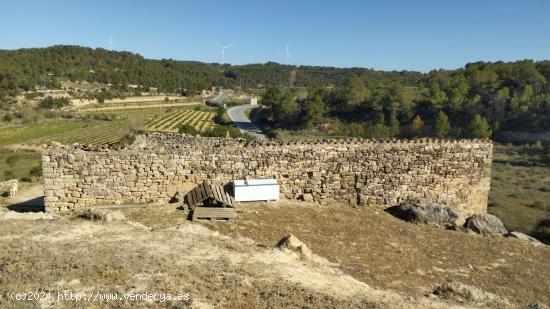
(480, 100)
(506, 96)
(274, 74)
(21, 70)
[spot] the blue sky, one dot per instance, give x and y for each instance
(391, 35)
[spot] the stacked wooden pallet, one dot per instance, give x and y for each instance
(210, 202)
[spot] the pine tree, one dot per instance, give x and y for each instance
(479, 127)
(394, 124)
(442, 126)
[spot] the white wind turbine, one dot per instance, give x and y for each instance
(287, 54)
(111, 42)
(223, 51)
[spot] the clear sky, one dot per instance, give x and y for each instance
(391, 35)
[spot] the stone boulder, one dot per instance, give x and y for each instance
(464, 293)
(423, 212)
(485, 224)
(524, 237)
(292, 243)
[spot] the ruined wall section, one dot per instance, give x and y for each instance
(357, 171)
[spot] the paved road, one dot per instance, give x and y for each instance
(221, 96)
(242, 122)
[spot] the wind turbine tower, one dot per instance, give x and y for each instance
(223, 51)
(287, 55)
(111, 42)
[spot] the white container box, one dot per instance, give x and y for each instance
(256, 190)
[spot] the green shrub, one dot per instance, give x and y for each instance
(126, 140)
(36, 171)
(8, 117)
(12, 159)
(26, 179)
(187, 129)
(49, 102)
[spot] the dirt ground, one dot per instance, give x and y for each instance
(62, 254)
(384, 252)
(373, 259)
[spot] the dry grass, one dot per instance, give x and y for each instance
(81, 256)
(384, 252)
(520, 188)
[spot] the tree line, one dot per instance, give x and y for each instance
(24, 69)
(478, 100)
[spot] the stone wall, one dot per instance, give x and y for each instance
(357, 171)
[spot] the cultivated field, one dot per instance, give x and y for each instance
(106, 126)
(200, 120)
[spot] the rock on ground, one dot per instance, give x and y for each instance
(485, 224)
(102, 215)
(292, 243)
(427, 213)
(457, 291)
(524, 237)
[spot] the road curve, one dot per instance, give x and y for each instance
(221, 96)
(242, 122)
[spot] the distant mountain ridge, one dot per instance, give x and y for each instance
(22, 69)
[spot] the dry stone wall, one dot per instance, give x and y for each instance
(358, 171)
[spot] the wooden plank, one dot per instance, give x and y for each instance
(213, 213)
(203, 191)
(218, 194)
(190, 200)
(195, 196)
(208, 189)
(229, 202)
(199, 195)
(224, 198)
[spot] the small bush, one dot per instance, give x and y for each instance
(8, 117)
(12, 159)
(25, 179)
(49, 103)
(187, 129)
(126, 140)
(36, 171)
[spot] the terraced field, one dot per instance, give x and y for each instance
(200, 120)
(115, 124)
(100, 132)
(29, 133)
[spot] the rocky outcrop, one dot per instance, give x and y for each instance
(485, 224)
(292, 243)
(423, 212)
(524, 237)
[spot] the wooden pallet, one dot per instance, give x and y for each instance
(206, 191)
(213, 213)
